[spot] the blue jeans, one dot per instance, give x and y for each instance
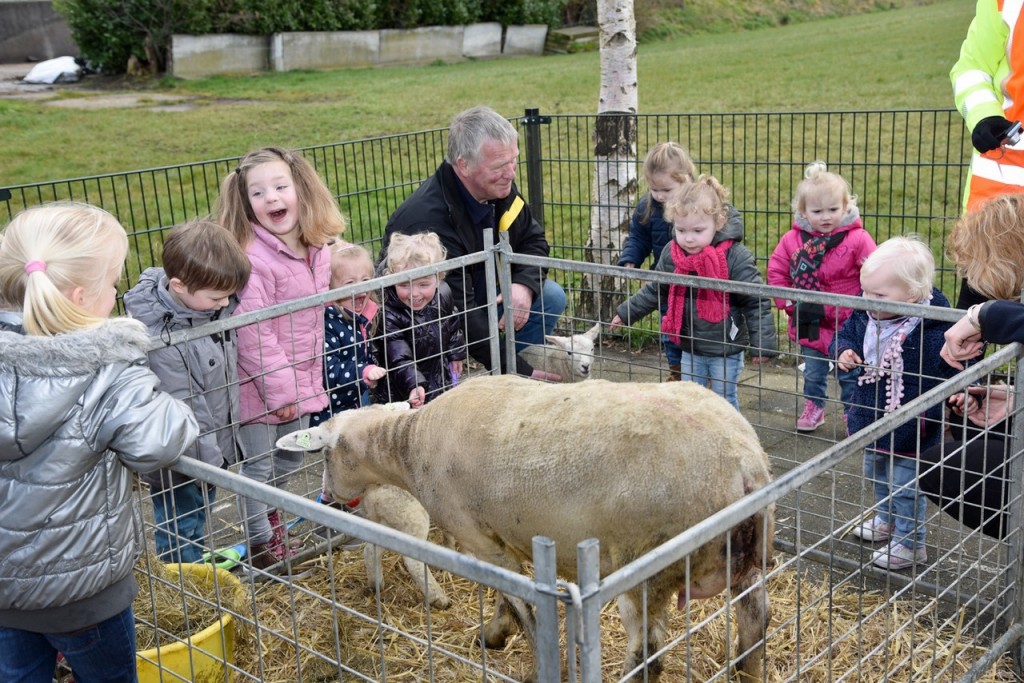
(102, 653)
(544, 315)
(897, 498)
(180, 515)
(723, 371)
(816, 374)
(673, 352)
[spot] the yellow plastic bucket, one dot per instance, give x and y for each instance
(207, 654)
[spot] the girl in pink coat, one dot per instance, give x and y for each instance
(822, 252)
(283, 215)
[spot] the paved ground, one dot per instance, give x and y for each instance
(91, 92)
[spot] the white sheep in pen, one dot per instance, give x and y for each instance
(500, 460)
(571, 358)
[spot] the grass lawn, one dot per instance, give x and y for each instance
(884, 60)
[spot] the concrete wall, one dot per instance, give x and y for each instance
(198, 56)
(222, 53)
(33, 31)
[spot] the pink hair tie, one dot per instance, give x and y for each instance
(35, 267)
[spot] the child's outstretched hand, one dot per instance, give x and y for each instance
(416, 397)
(615, 324)
(848, 360)
(286, 413)
(456, 367)
(372, 373)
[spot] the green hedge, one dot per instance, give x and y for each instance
(110, 32)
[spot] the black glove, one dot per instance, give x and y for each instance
(808, 317)
(989, 133)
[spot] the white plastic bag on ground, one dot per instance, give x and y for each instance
(56, 70)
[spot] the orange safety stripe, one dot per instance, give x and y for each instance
(1013, 87)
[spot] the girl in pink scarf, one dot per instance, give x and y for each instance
(712, 328)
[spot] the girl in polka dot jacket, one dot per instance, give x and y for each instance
(349, 365)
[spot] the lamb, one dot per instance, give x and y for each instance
(396, 508)
(570, 358)
(502, 459)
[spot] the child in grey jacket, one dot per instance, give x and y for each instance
(204, 267)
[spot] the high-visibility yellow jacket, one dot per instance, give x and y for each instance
(988, 80)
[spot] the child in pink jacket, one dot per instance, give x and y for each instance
(822, 252)
(283, 215)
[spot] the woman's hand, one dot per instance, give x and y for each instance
(963, 342)
(983, 406)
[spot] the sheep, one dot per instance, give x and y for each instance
(501, 459)
(396, 508)
(570, 358)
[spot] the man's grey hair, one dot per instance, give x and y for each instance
(472, 128)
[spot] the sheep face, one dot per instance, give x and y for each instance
(344, 436)
(577, 352)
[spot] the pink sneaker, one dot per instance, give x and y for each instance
(812, 417)
(873, 529)
(898, 556)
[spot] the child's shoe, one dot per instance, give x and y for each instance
(898, 556)
(281, 539)
(812, 417)
(674, 374)
(264, 555)
(874, 529)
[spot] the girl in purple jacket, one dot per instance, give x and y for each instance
(283, 215)
(822, 252)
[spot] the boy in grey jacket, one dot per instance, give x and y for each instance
(204, 267)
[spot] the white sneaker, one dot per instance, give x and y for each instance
(874, 529)
(898, 556)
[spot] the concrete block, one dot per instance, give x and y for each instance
(525, 40)
(482, 40)
(225, 53)
(421, 45)
(33, 31)
(324, 50)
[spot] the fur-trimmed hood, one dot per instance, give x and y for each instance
(42, 379)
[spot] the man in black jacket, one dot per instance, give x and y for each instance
(474, 189)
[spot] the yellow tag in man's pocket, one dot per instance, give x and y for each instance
(509, 217)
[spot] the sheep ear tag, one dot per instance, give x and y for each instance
(296, 441)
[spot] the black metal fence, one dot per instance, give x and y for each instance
(907, 167)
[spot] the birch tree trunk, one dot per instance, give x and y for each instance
(615, 181)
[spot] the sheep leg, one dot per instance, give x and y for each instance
(371, 560)
(753, 613)
(642, 645)
(427, 584)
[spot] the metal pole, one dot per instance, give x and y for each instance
(1015, 546)
(531, 123)
(505, 281)
(545, 575)
(588, 570)
(490, 277)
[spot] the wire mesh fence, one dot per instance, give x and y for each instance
(835, 615)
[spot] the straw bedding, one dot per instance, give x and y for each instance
(834, 631)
